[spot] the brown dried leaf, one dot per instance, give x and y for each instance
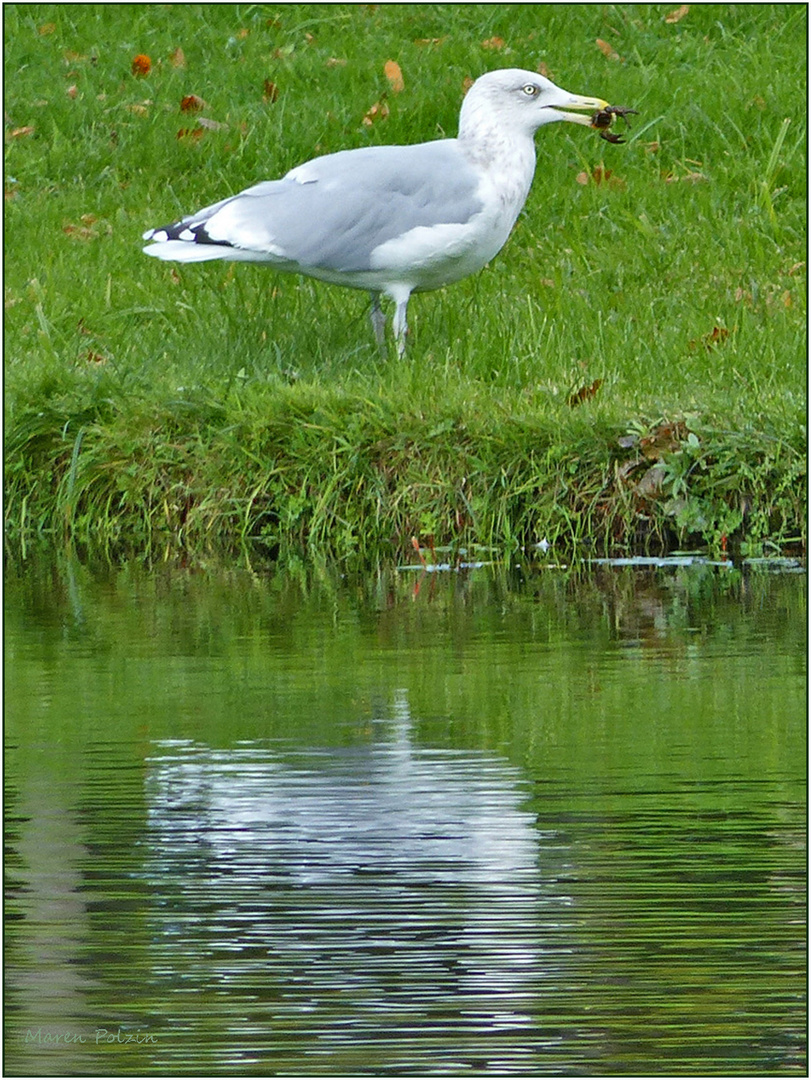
(190, 133)
(495, 43)
(664, 439)
(467, 82)
(678, 14)
(16, 133)
(378, 111)
(716, 336)
(141, 65)
(192, 103)
(46, 28)
(72, 91)
(542, 69)
(607, 50)
(585, 393)
(271, 91)
(392, 71)
(80, 232)
(177, 58)
(600, 175)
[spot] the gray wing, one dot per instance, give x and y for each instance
(332, 212)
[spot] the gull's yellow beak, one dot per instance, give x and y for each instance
(574, 103)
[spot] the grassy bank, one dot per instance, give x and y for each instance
(152, 407)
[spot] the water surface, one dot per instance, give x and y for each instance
(452, 824)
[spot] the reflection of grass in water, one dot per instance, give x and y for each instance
(154, 406)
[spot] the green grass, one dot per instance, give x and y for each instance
(151, 406)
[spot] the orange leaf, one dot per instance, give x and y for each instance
(379, 111)
(190, 133)
(585, 393)
(494, 43)
(271, 91)
(395, 76)
(607, 50)
(677, 14)
(141, 65)
(716, 336)
(192, 103)
(467, 82)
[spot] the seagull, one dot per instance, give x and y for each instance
(393, 219)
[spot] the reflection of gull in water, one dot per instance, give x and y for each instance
(395, 876)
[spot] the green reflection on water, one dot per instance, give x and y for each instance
(651, 729)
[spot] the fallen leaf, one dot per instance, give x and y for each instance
(710, 340)
(271, 91)
(192, 103)
(190, 133)
(495, 43)
(677, 14)
(393, 73)
(177, 58)
(651, 147)
(80, 232)
(786, 298)
(16, 133)
(600, 175)
(139, 109)
(652, 482)
(607, 50)
(212, 125)
(72, 91)
(690, 178)
(665, 438)
(379, 111)
(46, 28)
(542, 69)
(467, 82)
(141, 65)
(94, 357)
(585, 393)
(243, 33)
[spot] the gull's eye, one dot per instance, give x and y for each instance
(531, 90)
